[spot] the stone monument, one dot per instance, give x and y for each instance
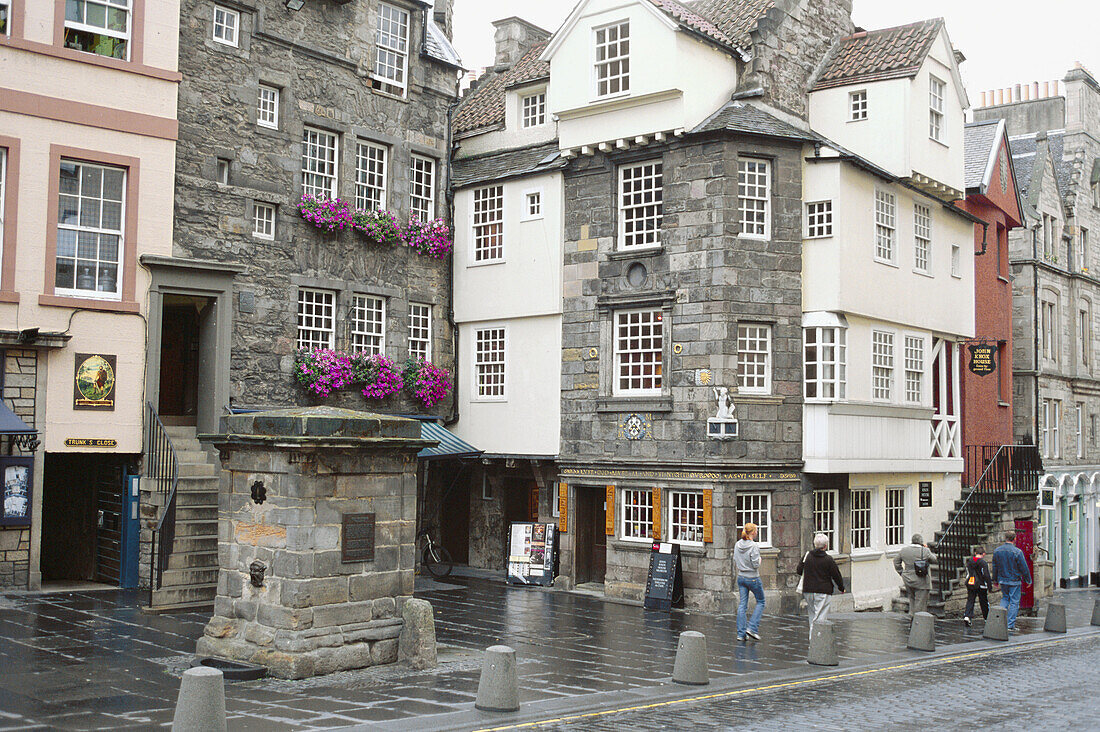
(316, 539)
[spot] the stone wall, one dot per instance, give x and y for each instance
(19, 378)
(319, 58)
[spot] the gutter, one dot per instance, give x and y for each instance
(448, 187)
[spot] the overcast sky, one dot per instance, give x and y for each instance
(1005, 41)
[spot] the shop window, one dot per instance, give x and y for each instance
(685, 513)
(755, 508)
(637, 513)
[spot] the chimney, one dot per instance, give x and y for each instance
(514, 37)
(443, 15)
(983, 104)
(1034, 90)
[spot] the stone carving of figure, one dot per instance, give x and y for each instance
(725, 404)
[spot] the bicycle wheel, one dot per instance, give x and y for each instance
(437, 560)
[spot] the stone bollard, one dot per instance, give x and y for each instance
(1056, 618)
(201, 703)
(416, 644)
(922, 634)
(996, 625)
(691, 659)
(1096, 612)
(498, 689)
(823, 645)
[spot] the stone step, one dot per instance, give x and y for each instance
(179, 607)
(195, 543)
(197, 498)
(198, 483)
(191, 457)
(189, 576)
(185, 596)
(187, 445)
(199, 527)
(175, 431)
(196, 513)
(189, 470)
(193, 560)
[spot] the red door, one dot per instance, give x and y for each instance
(1025, 541)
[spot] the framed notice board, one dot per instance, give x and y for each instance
(531, 553)
(664, 587)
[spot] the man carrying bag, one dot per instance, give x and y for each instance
(914, 564)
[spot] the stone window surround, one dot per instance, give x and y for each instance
(227, 13)
(606, 305)
(245, 25)
(773, 190)
(8, 239)
(278, 111)
(128, 260)
(250, 216)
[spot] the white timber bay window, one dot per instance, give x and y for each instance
(825, 362)
(922, 237)
(263, 220)
(533, 110)
(420, 331)
(319, 162)
(936, 92)
(754, 355)
(267, 107)
(370, 176)
(316, 319)
(90, 244)
(612, 70)
(639, 352)
(861, 518)
(101, 27)
(641, 205)
(895, 516)
(391, 51)
(489, 364)
(857, 106)
(422, 187)
(914, 369)
(826, 516)
(488, 221)
(886, 217)
(754, 195)
(882, 365)
(227, 24)
(755, 508)
(819, 219)
(685, 517)
(368, 324)
(636, 513)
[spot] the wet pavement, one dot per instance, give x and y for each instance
(92, 660)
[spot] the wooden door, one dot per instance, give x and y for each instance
(1025, 540)
(179, 361)
(591, 541)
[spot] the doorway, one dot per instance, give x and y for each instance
(179, 359)
(591, 539)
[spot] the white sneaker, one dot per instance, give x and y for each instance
(966, 621)
(753, 635)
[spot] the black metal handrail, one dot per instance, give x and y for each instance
(162, 470)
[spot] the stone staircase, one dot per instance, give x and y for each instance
(191, 576)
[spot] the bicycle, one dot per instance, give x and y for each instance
(435, 557)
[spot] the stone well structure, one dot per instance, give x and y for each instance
(316, 546)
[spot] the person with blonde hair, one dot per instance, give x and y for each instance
(819, 574)
(746, 559)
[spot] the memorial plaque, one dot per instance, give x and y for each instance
(357, 538)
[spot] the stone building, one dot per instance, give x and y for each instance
(1053, 132)
(340, 101)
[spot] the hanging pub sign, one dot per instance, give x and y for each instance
(982, 361)
(664, 587)
(531, 550)
(94, 382)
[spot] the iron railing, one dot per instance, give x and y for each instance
(162, 474)
(998, 470)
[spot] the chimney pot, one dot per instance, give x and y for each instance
(1017, 96)
(1034, 90)
(982, 104)
(1046, 89)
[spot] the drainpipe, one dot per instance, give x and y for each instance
(1035, 330)
(451, 275)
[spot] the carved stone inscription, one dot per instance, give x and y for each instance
(357, 537)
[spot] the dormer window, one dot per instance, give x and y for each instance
(613, 59)
(533, 110)
(857, 106)
(936, 92)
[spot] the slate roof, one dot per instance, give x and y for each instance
(741, 117)
(1024, 154)
(735, 18)
(890, 53)
(437, 46)
(483, 106)
(507, 164)
(979, 139)
(684, 15)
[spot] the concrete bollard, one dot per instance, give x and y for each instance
(1096, 612)
(691, 659)
(996, 625)
(201, 703)
(823, 645)
(922, 634)
(498, 689)
(1056, 618)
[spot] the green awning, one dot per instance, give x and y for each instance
(450, 445)
(10, 424)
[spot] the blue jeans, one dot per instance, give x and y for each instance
(745, 585)
(1010, 601)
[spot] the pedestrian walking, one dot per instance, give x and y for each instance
(819, 574)
(746, 558)
(1009, 571)
(978, 582)
(914, 564)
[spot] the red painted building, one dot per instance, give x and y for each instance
(991, 195)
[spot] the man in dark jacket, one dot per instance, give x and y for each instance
(1009, 571)
(977, 585)
(819, 574)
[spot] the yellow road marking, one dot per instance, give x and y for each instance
(771, 687)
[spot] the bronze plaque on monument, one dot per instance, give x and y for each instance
(357, 538)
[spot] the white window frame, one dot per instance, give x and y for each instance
(555, 500)
(937, 92)
(602, 69)
(368, 324)
(819, 219)
(263, 220)
(883, 363)
(420, 330)
(391, 52)
(863, 508)
(641, 205)
(956, 261)
(1080, 418)
(922, 238)
(827, 516)
(889, 523)
(828, 374)
(754, 197)
(532, 110)
(749, 338)
(1051, 428)
(487, 219)
(914, 364)
(3, 187)
(857, 106)
(79, 229)
(532, 205)
(221, 170)
(761, 516)
(1048, 328)
(232, 38)
(371, 171)
(886, 227)
(490, 369)
(320, 162)
(6, 5)
(1083, 247)
(685, 504)
(267, 106)
(320, 320)
(422, 187)
(635, 513)
(622, 357)
(76, 25)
